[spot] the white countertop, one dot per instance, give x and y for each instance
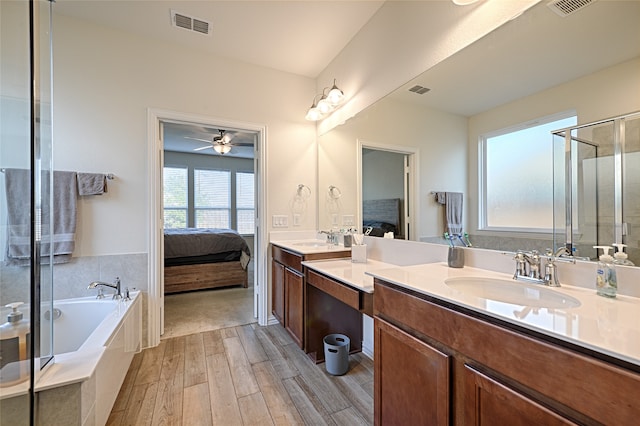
(309, 246)
(608, 326)
(348, 272)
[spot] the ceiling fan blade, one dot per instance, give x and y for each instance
(202, 147)
(198, 139)
(241, 144)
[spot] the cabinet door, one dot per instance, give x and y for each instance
(277, 290)
(294, 304)
(489, 402)
(411, 379)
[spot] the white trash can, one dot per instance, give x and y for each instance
(336, 354)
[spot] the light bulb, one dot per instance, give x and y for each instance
(313, 114)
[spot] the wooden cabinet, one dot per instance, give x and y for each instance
(490, 402)
(498, 373)
(277, 291)
(288, 290)
(293, 305)
(412, 379)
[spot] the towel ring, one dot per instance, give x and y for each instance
(303, 191)
(334, 192)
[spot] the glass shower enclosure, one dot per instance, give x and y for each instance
(597, 186)
(26, 273)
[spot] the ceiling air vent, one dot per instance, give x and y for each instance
(180, 20)
(567, 7)
(420, 90)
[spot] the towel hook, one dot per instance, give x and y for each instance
(303, 191)
(334, 192)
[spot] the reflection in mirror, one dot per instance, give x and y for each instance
(537, 65)
(598, 163)
(385, 193)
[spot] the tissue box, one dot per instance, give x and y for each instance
(359, 253)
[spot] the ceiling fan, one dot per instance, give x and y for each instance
(220, 143)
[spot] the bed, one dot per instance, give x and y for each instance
(382, 216)
(198, 259)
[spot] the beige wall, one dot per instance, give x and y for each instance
(106, 79)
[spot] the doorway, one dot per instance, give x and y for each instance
(156, 121)
(387, 187)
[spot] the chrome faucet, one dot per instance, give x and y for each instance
(332, 237)
(115, 285)
(528, 267)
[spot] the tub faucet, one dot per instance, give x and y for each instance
(115, 285)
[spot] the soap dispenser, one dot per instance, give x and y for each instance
(620, 257)
(606, 281)
(14, 347)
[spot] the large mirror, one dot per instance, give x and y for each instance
(538, 68)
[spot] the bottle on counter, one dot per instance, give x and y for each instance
(14, 347)
(606, 280)
(620, 257)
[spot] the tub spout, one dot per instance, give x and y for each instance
(115, 285)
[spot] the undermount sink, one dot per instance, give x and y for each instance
(513, 292)
(311, 244)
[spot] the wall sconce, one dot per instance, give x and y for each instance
(327, 103)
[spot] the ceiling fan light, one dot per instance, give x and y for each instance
(222, 148)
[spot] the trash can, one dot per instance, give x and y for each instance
(336, 354)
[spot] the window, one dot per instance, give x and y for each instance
(209, 198)
(245, 210)
(212, 198)
(517, 176)
(175, 197)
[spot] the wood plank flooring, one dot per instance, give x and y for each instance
(243, 375)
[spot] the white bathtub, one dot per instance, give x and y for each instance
(81, 323)
(94, 343)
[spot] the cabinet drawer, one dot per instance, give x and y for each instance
(341, 292)
(287, 258)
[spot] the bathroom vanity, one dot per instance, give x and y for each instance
(443, 356)
(288, 289)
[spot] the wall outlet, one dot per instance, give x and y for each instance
(348, 220)
(280, 221)
(296, 219)
(334, 219)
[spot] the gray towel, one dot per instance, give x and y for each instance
(65, 196)
(17, 184)
(453, 210)
(92, 183)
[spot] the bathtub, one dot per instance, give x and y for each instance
(94, 341)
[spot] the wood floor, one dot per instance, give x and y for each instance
(244, 375)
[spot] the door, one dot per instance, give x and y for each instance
(411, 379)
(489, 402)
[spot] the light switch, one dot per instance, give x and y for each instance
(296, 219)
(334, 219)
(280, 221)
(348, 220)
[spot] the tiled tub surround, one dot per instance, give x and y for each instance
(80, 387)
(71, 279)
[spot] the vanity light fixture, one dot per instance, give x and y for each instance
(327, 103)
(463, 2)
(222, 148)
